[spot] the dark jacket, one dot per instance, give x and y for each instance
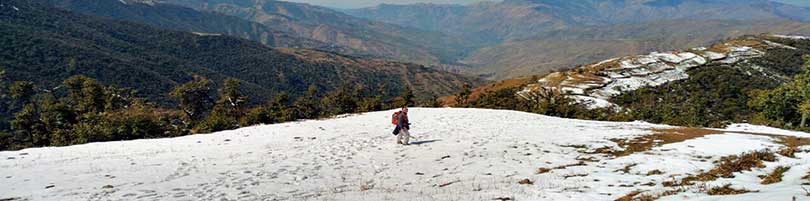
(402, 122)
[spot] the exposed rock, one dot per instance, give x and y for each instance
(593, 85)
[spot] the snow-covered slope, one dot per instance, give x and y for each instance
(459, 154)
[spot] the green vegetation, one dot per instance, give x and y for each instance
(45, 45)
(548, 102)
(712, 96)
(772, 90)
(787, 106)
(82, 110)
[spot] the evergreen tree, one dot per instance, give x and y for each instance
(57, 119)
(27, 127)
(227, 110)
(463, 97)
(118, 98)
(308, 106)
(339, 101)
(22, 91)
(370, 103)
(405, 98)
(280, 109)
(85, 95)
(804, 108)
(194, 99)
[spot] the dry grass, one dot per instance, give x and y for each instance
(725, 46)
(660, 137)
(788, 151)
(638, 196)
(603, 66)
(575, 175)
(775, 176)
(543, 170)
(654, 172)
(546, 170)
(583, 78)
(481, 90)
(627, 168)
(727, 166)
(526, 182)
(629, 196)
(726, 190)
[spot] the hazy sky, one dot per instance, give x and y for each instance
(367, 3)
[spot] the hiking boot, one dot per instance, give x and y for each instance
(399, 142)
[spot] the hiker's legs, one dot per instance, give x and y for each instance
(406, 135)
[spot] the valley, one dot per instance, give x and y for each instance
(625, 100)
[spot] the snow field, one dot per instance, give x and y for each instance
(458, 154)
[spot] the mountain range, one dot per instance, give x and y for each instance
(539, 36)
(46, 45)
(334, 27)
(515, 19)
(492, 40)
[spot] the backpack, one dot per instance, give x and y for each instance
(395, 118)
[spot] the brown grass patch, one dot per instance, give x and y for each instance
(637, 196)
(546, 170)
(627, 168)
(479, 91)
(788, 151)
(727, 166)
(775, 176)
(725, 46)
(792, 141)
(603, 66)
(575, 175)
(583, 78)
(660, 137)
(629, 196)
(654, 172)
(727, 190)
(543, 170)
(526, 182)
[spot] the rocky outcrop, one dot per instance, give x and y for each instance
(595, 84)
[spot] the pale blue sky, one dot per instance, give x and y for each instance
(368, 3)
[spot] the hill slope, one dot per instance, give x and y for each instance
(457, 156)
(554, 50)
(46, 45)
(333, 27)
(596, 83)
(179, 18)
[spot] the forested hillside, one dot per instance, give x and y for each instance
(329, 26)
(172, 17)
(760, 79)
(47, 45)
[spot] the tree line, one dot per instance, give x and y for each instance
(82, 110)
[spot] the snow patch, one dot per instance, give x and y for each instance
(791, 37)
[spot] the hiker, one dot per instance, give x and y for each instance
(401, 131)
